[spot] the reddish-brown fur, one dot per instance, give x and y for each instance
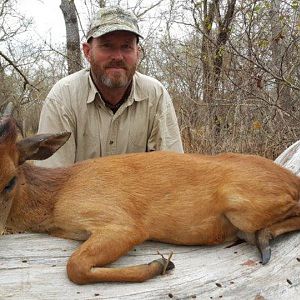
(116, 202)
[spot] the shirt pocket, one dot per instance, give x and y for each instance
(138, 138)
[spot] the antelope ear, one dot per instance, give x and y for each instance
(40, 146)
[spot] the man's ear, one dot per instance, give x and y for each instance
(40, 146)
(86, 47)
(140, 54)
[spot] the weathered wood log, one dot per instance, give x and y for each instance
(32, 266)
(290, 158)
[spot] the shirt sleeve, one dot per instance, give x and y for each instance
(55, 118)
(165, 134)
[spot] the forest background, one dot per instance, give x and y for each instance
(231, 67)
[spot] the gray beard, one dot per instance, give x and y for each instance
(119, 83)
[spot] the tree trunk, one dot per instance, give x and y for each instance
(72, 34)
(212, 54)
(102, 3)
(207, 49)
(282, 91)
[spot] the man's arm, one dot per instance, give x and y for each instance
(165, 134)
(55, 118)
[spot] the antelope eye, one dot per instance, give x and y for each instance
(10, 185)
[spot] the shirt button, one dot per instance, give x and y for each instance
(111, 142)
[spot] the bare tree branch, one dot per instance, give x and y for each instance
(26, 81)
(145, 11)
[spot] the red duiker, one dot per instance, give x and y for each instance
(117, 202)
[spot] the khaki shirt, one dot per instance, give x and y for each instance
(146, 121)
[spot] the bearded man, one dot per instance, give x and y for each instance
(110, 108)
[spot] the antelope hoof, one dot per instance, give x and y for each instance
(166, 264)
(263, 238)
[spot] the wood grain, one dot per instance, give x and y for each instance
(32, 266)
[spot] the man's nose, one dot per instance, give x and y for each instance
(117, 53)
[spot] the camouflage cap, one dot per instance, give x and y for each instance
(113, 18)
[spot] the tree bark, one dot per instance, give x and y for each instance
(212, 52)
(102, 3)
(207, 47)
(68, 9)
(282, 91)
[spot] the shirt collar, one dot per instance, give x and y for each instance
(92, 91)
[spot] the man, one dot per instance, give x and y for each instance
(110, 108)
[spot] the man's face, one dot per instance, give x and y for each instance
(113, 58)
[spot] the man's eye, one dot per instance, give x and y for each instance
(126, 47)
(10, 185)
(105, 46)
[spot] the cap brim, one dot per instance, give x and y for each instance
(107, 29)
